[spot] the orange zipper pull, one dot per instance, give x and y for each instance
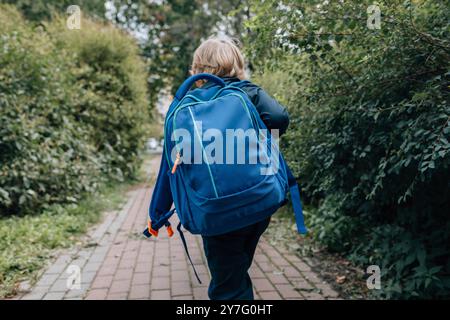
(176, 163)
(150, 229)
(169, 230)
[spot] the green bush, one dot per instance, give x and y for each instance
(370, 130)
(68, 119)
(39, 10)
(112, 97)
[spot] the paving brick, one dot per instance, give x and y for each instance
(102, 282)
(270, 295)
(126, 264)
(262, 284)
(266, 267)
(47, 279)
(313, 296)
(161, 271)
(59, 286)
(160, 295)
(302, 285)
(256, 272)
(327, 291)
(161, 263)
(196, 284)
(75, 293)
(141, 278)
(92, 266)
(87, 277)
(54, 296)
(184, 297)
(261, 258)
(143, 267)
(200, 293)
(80, 262)
(197, 260)
(56, 268)
(84, 254)
(117, 296)
(145, 257)
(302, 266)
(111, 262)
(107, 270)
(120, 286)
(292, 258)
(130, 257)
(277, 278)
(272, 253)
(291, 272)
(180, 275)
(35, 295)
(140, 292)
(160, 283)
(97, 294)
(123, 274)
(287, 291)
(281, 262)
(181, 288)
(179, 265)
(201, 269)
(177, 256)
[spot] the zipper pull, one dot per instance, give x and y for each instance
(169, 229)
(176, 163)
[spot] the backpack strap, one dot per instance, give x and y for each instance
(187, 251)
(187, 84)
(296, 202)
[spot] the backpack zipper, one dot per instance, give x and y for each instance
(204, 153)
(176, 163)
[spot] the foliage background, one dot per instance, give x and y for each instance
(41, 10)
(370, 129)
(73, 110)
(173, 29)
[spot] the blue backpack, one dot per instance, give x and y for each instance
(216, 184)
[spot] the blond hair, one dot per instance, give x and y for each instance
(219, 56)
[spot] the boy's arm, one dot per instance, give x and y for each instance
(162, 195)
(272, 113)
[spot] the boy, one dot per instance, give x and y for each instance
(230, 255)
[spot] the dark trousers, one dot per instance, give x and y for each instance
(229, 256)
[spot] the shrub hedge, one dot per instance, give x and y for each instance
(370, 130)
(73, 110)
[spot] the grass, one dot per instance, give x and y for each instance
(28, 242)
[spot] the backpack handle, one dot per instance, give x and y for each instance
(187, 84)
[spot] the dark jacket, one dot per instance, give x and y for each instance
(272, 113)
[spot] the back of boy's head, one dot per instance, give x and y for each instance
(219, 56)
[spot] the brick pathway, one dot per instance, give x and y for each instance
(118, 263)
